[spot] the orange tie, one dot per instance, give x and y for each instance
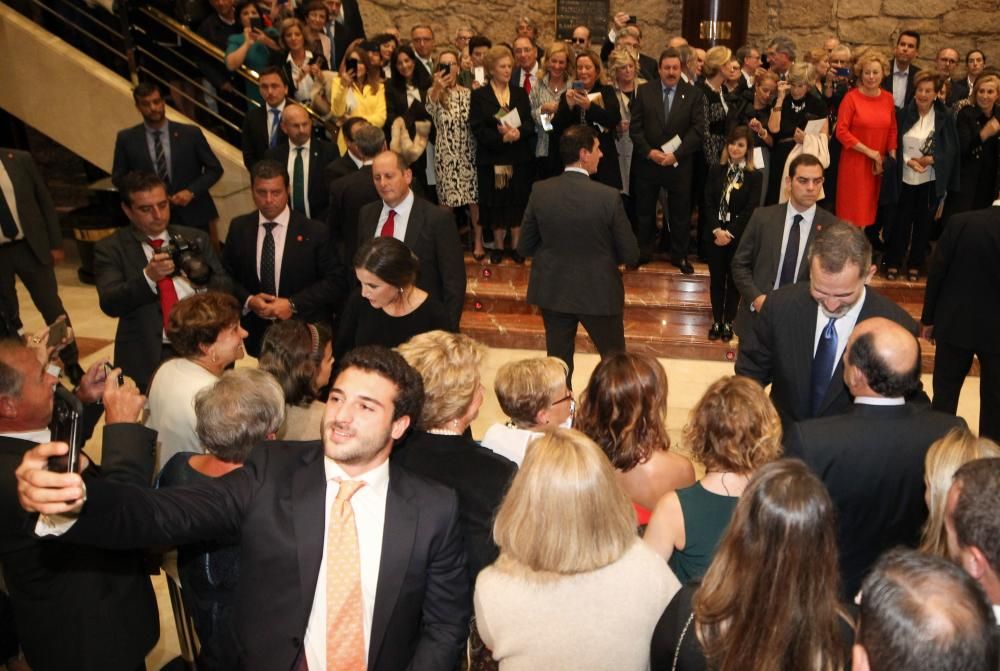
(345, 633)
(389, 227)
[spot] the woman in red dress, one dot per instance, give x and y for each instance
(866, 127)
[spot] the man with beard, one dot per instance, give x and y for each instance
(802, 330)
(347, 561)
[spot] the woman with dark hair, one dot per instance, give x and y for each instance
(355, 90)
(254, 47)
(406, 99)
(204, 330)
(770, 598)
(300, 357)
(753, 110)
(733, 430)
(302, 67)
(624, 411)
(732, 192)
(387, 45)
(591, 102)
(389, 308)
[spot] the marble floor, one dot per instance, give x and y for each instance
(687, 379)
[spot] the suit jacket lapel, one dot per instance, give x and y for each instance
(401, 518)
(309, 515)
(132, 243)
(805, 338)
(289, 252)
(414, 225)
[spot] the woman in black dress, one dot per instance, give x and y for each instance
(978, 136)
(589, 101)
(505, 153)
(797, 103)
(732, 192)
(752, 108)
(389, 308)
(406, 97)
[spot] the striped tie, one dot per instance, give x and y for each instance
(160, 158)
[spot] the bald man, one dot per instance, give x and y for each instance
(306, 158)
(872, 458)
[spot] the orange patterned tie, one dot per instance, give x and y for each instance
(345, 633)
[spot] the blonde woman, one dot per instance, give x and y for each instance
(438, 448)
(623, 71)
(712, 85)
(355, 90)
(544, 99)
(302, 67)
(946, 456)
(574, 587)
(796, 104)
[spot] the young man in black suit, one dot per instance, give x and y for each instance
(871, 458)
(414, 608)
(574, 274)
(665, 111)
(262, 125)
(306, 159)
(428, 230)
(129, 272)
(800, 334)
(76, 607)
(899, 81)
(281, 263)
(352, 192)
(177, 153)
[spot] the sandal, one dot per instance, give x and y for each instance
(891, 274)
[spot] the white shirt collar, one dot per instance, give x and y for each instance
(573, 168)
(35, 436)
(879, 400)
(376, 478)
(807, 214)
(293, 147)
(357, 161)
(403, 208)
(281, 220)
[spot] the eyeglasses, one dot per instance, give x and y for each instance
(572, 403)
(579, 40)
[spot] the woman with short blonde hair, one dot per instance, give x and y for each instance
(570, 566)
(449, 364)
(558, 67)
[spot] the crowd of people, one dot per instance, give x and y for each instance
(330, 505)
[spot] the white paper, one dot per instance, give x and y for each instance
(758, 158)
(671, 145)
(911, 147)
(814, 127)
(479, 73)
(546, 121)
(511, 118)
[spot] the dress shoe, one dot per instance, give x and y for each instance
(727, 332)
(715, 332)
(684, 265)
(75, 373)
(516, 258)
(496, 256)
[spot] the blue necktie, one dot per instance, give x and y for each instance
(666, 102)
(275, 123)
(823, 364)
(791, 254)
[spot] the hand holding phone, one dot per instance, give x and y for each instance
(66, 414)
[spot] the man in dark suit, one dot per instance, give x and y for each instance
(800, 334)
(282, 264)
(176, 153)
(626, 34)
(344, 26)
(962, 313)
(525, 74)
(899, 82)
(352, 160)
(352, 192)
(132, 276)
(772, 250)
(75, 607)
(428, 230)
(262, 125)
(666, 111)
(30, 244)
(306, 159)
(411, 612)
(574, 274)
(871, 459)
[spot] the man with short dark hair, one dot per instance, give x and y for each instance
(344, 25)
(975, 62)
(626, 33)
(262, 124)
(871, 458)
(281, 262)
(137, 280)
(351, 161)
(422, 40)
(347, 560)
(525, 74)
(177, 153)
(749, 58)
(973, 526)
(306, 158)
(667, 126)
(800, 335)
(352, 192)
(574, 274)
(921, 613)
(899, 82)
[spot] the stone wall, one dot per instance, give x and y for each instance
(962, 24)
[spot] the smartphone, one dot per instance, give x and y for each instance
(257, 24)
(57, 332)
(632, 19)
(444, 68)
(66, 413)
(842, 72)
(352, 65)
(108, 368)
(578, 86)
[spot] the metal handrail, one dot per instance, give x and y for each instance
(82, 31)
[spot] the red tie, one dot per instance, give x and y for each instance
(389, 227)
(527, 82)
(168, 294)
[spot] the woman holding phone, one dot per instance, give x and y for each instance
(797, 104)
(356, 90)
(254, 47)
(302, 67)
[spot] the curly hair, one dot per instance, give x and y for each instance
(292, 351)
(197, 320)
(389, 364)
(624, 408)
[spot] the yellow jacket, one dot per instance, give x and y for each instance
(365, 103)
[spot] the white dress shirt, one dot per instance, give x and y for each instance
(7, 187)
(880, 400)
(305, 171)
(844, 326)
(182, 286)
(913, 139)
(899, 79)
(805, 225)
(533, 74)
(402, 218)
(368, 504)
(279, 232)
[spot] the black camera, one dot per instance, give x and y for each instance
(187, 257)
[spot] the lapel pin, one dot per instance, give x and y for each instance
(299, 238)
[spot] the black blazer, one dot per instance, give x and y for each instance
(341, 167)
(490, 147)
(351, 29)
(576, 257)
(780, 351)
(911, 73)
(347, 196)
(871, 460)
(321, 155)
(648, 67)
(79, 607)
(975, 156)
(35, 209)
(742, 201)
(431, 235)
(276, 503)
(312, 276)
(123, 292)
(253, 136)
(193, 166)
(649, 130)
(605, 116)
(961, 301)
(959, 90)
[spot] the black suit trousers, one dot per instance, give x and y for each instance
(725, 295)
(677, 219)
(951, 365)
(607, 332)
